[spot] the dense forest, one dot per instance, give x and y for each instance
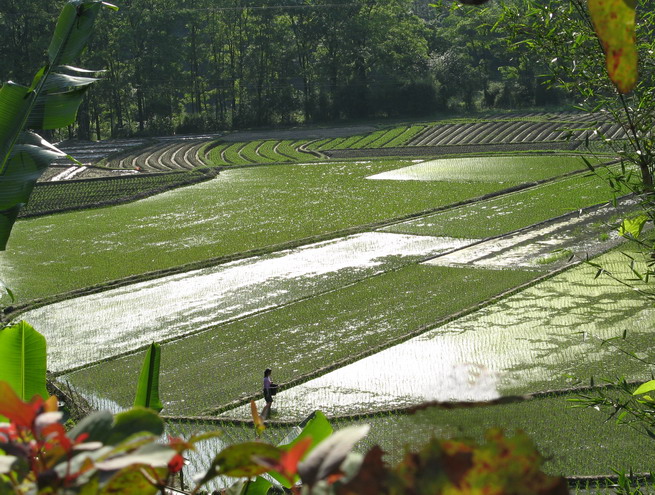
(176, 66)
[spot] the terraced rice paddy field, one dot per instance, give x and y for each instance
(370, 285)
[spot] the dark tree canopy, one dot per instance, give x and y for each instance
(196, 65)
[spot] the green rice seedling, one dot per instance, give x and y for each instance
(346, 143)
(155, 233)
(512, 211)
(333, 143)
(67, 195)
(405, 137)
(554, 257)
(232, 154)
(387, 136)
(215, 154)
(267, 151)
(369, 138)
(339, 324)
(249, 152)
(317, 144)
(289, 148)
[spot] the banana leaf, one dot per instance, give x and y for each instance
(50, 102)
(147, 394)
(23, 360)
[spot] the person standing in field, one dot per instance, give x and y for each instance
(268, 396)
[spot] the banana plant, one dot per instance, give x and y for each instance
(51, 101)
(23, 360)
(147, 394)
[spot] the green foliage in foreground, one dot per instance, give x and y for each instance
(339, 325)
(23, 360)
(241, 209)
(576, 441)
(123, 454)
(101, 454)
(49, 102)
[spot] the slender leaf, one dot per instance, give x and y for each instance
(23, 360)
(147, 394)
(645, 388)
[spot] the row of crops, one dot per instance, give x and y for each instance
(509, 132)
(171, 155)
(55, 197)
(519, 132)
(289, 151)
(259, 151)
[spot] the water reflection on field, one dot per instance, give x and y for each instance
(486, 169)
(93, 327)
(532, 341)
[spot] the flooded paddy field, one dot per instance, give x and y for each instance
(225, 363)
(551, 244)
(98, 326)
(545, 337)
(509, 212)
(354, 324)
(243, 209)
(487, 169)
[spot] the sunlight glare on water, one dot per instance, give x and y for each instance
(527, 342)
(93, 327)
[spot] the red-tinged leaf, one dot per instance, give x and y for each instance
(371, 477)
(19, 412)
(288, 464)
(176, 464)
(326, 458)
(457, 466)
(614, 21)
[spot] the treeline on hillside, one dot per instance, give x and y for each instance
(197, 65)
